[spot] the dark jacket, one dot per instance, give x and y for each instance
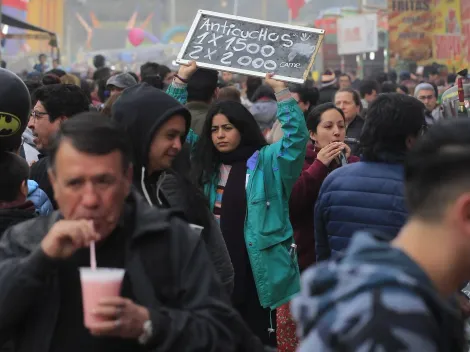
(353, 134)
(13, 215)
(38, 173)
(167, 265)
(364, 195)
(9, 216)
(142, 110)
(327, 94)
(356, 84)
(375, 298)
(198, 110)
(302, 199)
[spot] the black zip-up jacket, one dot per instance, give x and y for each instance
(142, 110)
(169, 270)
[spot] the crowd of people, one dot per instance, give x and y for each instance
(215, 192)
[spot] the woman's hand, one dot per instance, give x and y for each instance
(328, 153)
(347, 150)
(274, 83)
(187, 70)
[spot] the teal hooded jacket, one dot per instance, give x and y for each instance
(271, 174)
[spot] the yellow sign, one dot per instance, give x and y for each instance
(447, 33)
(410, 29)
(9, 124)
(465, 17)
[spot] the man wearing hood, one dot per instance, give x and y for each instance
(157, 125)
(398, 296)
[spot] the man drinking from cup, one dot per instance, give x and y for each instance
(169, 299)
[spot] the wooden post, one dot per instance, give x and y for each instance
(360, 63)
(264, 9)
(235, 7)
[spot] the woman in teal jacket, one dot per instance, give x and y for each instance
(248, 184)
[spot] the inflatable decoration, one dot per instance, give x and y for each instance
(136, 36)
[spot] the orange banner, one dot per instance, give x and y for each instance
(410, 29)
(48, 15)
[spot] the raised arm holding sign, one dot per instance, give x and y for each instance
(251, 47)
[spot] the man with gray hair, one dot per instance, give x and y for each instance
(426, 94)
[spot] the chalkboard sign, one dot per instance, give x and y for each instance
(251, 47)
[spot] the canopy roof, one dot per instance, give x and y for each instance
(14, 22)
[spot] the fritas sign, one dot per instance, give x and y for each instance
(252, 47)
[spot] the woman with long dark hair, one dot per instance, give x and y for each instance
(248, 184)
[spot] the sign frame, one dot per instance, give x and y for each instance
(200, 13)
(370, 17)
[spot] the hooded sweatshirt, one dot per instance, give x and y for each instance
(375, 298)
(142, 110)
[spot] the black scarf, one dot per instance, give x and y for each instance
(232, 216)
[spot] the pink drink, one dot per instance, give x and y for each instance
(97, 284)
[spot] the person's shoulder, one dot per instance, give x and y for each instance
(29, 234)
(382, 317)
(32, 187)
(367, 169)
(345, 171)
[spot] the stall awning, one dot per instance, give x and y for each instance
(43, 33)
(14, 22)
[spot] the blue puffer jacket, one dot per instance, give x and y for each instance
(39, 198)
(363, 195)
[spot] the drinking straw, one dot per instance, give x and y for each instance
(92, 256)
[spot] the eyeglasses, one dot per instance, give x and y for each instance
(38, 114)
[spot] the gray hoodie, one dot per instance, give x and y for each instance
(264, 112)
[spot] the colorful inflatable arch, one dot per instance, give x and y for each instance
(175, 34)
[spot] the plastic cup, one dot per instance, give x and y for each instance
(97, 284)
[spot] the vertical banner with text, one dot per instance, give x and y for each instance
(465, 20)
(447, 41)
(410, 29)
